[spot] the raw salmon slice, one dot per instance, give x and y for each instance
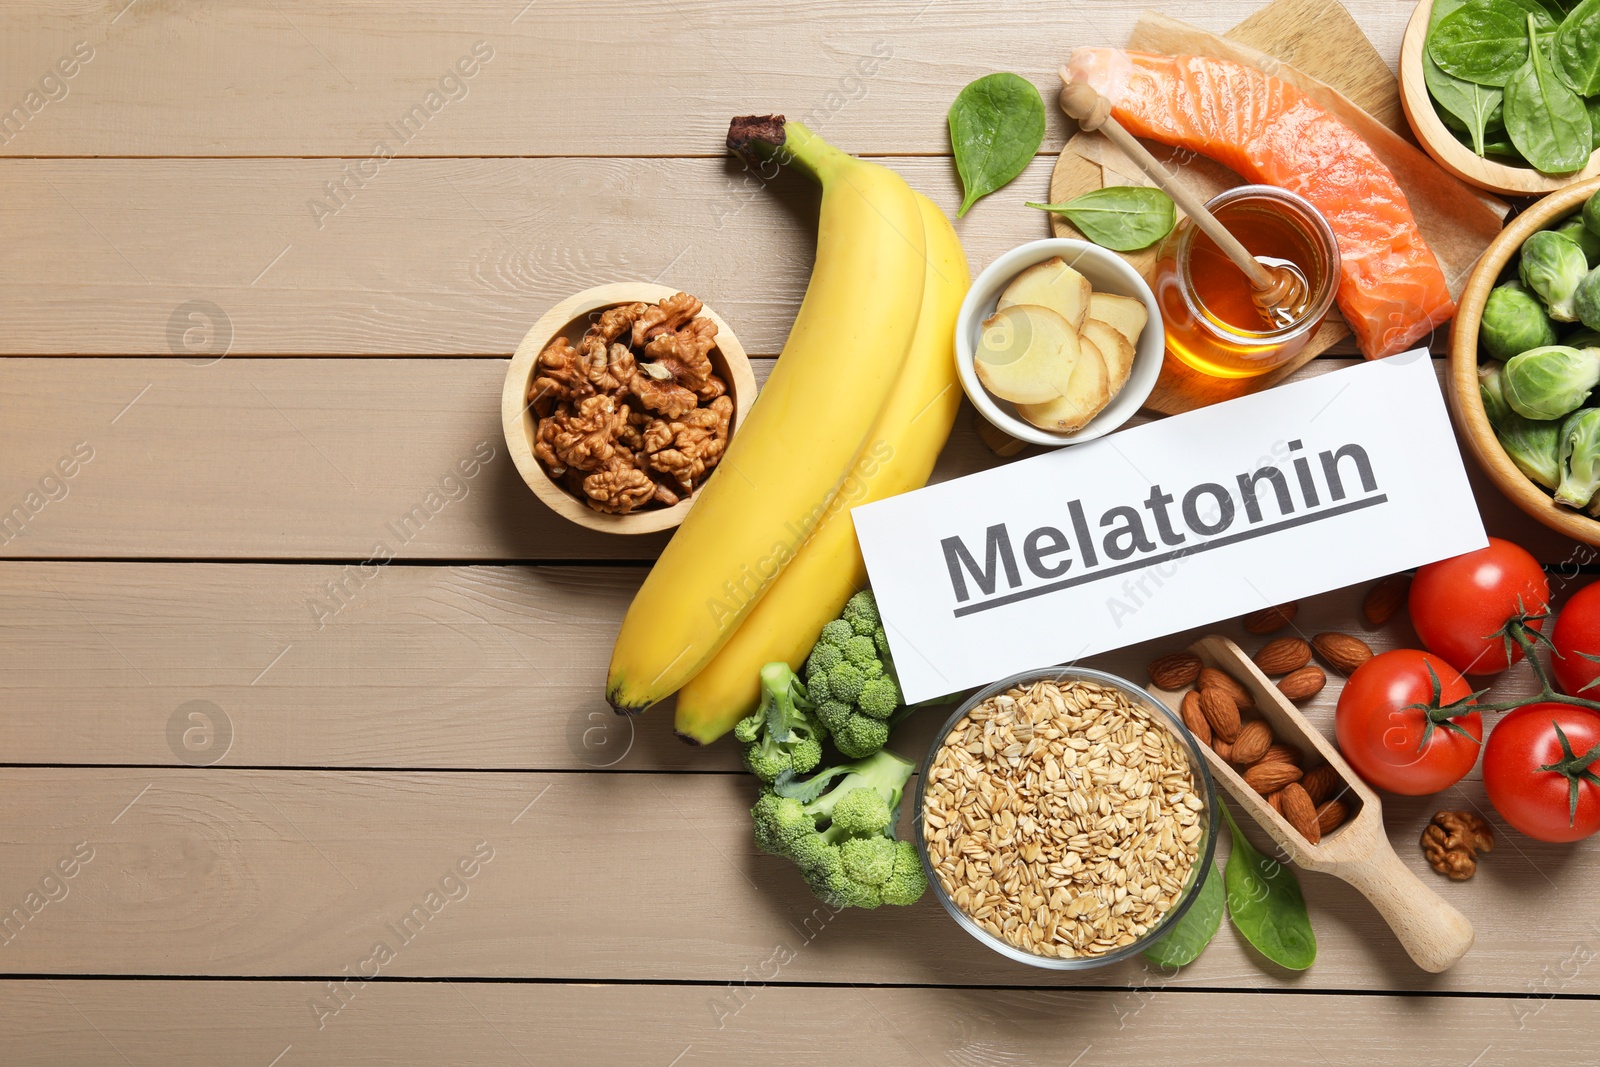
(1391, 289)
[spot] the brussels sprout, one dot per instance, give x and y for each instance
(1548, 382)
(1580, 458)
(1491, 386)
(1579, 234)
(1534, 446)
(1591, 212)
(1586, 299)
(1513, 322)
(1582, 337)
(1552, 266)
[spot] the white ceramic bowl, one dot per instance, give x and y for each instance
(1107, 273)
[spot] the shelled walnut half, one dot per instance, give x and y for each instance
(1452, 841)
(634, 415)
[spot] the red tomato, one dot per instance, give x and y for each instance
(1458, 605)
(1577, 636)
(1382, 736)
(1525, 783)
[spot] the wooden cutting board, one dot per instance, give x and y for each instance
(1318, 38)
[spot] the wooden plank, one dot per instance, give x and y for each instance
(562, 77)
(325, 459)
(590, 876)
(183, 1023)
(471, 668)
(196, 258)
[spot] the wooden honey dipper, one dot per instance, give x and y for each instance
(1280, 293)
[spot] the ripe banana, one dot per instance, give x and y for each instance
(899, 456)
(784, 466)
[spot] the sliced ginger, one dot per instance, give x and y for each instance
(1087, 393)
(1026, 354)
(1052, 284)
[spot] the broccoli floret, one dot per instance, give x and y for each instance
(838, 889)
(824, 657)
(781, 823)
(863, 810)
(881, 639)
(860, 736)
(835, 714)
(845, 682)
(861, 652)
(861, 612)
(879, 697)
(851, 679)
(906, 882)
(868, 859)
(782, 734)
(837, 633)
(838, 827)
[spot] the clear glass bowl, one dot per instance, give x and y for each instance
(1204, 787)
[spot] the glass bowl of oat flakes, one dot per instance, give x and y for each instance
(1064, 818)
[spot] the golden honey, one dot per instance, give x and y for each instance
(1207, 303)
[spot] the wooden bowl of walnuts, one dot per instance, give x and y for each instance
(620, 402)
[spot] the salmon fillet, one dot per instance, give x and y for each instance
(1391, 289)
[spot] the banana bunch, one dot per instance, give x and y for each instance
(857, 409)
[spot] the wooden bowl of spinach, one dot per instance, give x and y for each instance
(1495, 111)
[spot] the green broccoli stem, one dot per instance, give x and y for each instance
(884, 771)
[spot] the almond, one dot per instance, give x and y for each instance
(1331, 816)
(1221, 748)
(1269, 619)
(1276, 800)
(1322, 783)
(1268, 778)
(1174, 671)
(1255, 737)
(1282, 753)
(1342, 652)
(1303, 684)
(1221, 712)
(1282, 655)
(1384, 600)
(1211, 678)
(1300, 812)
(1194, 718)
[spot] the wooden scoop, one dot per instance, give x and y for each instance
(1433, 933)
(1280, 291)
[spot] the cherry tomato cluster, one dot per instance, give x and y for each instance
(1409, 722)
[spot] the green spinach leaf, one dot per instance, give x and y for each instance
(1461, 104)
(1184, 942)
(1576, 52)
(1265, 904)
(1546, 121)
(996, 126)
(1476, 107)
(1543, 20)
(1123, 218)
(1484, 41)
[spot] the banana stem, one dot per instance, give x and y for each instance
(759, 139)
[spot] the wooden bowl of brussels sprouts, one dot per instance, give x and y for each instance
(1525, 361)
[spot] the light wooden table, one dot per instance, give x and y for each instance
(261, 755)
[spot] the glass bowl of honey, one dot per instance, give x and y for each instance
(1207, 304)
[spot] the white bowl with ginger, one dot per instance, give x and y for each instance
(1059, 341)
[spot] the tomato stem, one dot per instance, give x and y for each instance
(1576, 769)
(1435, 714)
(1517, 631)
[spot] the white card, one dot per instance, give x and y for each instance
(1289, 492)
